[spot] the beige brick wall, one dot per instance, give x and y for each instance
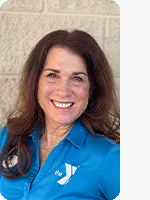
(24, 22)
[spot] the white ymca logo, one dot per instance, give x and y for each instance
(70, 170)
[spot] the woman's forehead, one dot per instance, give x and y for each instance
(62, 58)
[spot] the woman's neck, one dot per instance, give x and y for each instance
(54, 133)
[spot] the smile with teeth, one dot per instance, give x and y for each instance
(62, 104)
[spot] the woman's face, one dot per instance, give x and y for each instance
(63, 88)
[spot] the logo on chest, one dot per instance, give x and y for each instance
(65, 177)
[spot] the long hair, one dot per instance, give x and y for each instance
(101, 115)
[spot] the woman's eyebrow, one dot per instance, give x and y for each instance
(77, 73)
(57, 71)
(54, 70)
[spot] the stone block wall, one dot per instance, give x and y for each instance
(24, 22)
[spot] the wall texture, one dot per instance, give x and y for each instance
(24, 22)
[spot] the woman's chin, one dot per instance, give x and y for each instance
(62, 120)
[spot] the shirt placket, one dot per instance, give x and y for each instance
(47, 168)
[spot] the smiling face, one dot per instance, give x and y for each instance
(63, 88)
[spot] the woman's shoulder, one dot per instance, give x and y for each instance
(3, 135)
(106, 153)
(101, 143)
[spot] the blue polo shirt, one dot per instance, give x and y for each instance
(80, 167)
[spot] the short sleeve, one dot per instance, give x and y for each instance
(109, 175)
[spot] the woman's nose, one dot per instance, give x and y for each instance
(63, 89)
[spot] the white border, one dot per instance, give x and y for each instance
(135, 99)
(118, 2)
(2, 1)
(1, 197)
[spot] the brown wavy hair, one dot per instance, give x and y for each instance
(101, 116)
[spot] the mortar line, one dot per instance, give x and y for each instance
(59, 14)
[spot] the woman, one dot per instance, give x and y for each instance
(60, 140)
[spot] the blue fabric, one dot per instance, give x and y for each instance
(80, 167)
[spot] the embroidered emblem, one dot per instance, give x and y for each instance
(11, 162)
(70, 170)
(58, 173)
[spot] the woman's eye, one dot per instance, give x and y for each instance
(52, 75)
(77, 78)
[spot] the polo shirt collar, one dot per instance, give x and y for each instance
(76, 135)
(35, 133)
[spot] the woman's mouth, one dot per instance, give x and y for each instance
(59, 104)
